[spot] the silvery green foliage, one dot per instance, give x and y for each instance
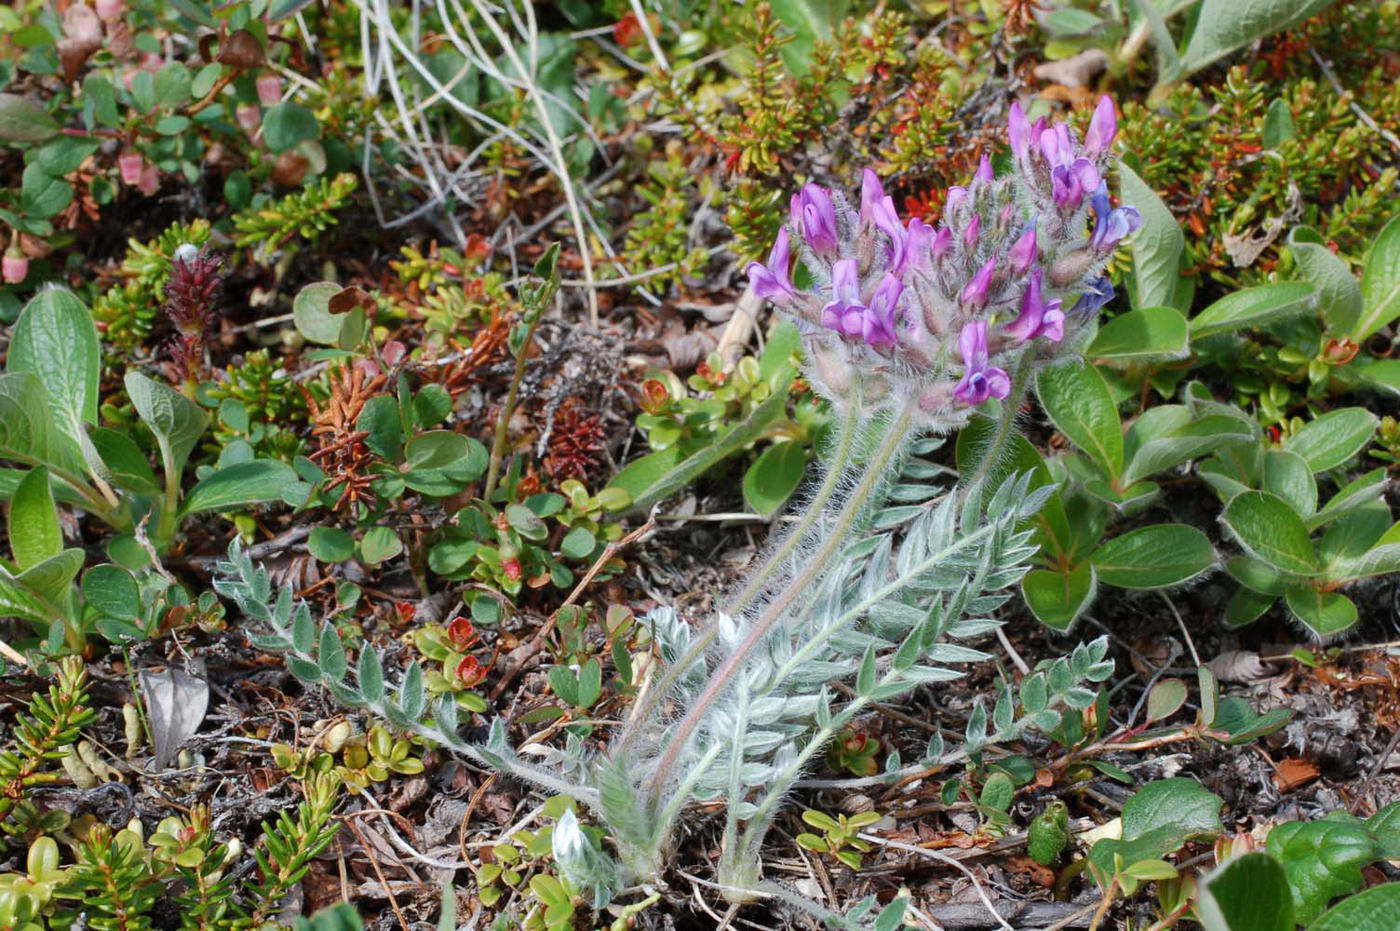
(581, 862)
(880, 585)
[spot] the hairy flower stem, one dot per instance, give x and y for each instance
(772, 563)
(1010, 409)
(877, 470)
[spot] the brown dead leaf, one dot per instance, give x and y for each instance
(1294, 772)
(1076, 71)
(1240, 666)
(82, 35)
(1040, 875)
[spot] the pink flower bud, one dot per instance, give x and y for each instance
(130, 164)
(269, 89)
(393, 352)
(15, 267)
(109, 9)
(150, 180)
(248, 116)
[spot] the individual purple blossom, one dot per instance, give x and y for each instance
(771, 281)
(984, 170)
(872, 192)
(981, 380)
(1018, 131)
(845, 312)
(1038, 317)
(1024, 251)
(886, 219)
(1111, 225)
(974, 229)
(919, 242)
(957, 196)
(974, 293)
(1070, 182)
(1102, 128)
(878, 322)
(814, 217)
(942, 242)
(1093, 299)
(1071, 174)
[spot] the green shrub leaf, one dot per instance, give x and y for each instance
(1334, 438)
(1140, 335)
(55, 340)
(35, 534)
(1323, 859)
(1372, 910)
(1158, 556)
(1271, 531)
(1251, 307)
(1079, 403)
(1248, 893)
(773, 477)
(1380, 283)
(256, 482)
(1058, 598)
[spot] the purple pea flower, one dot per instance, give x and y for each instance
(1070, 182)
(771, 281)
(919, 242)
(981, 380)
(1094, 298)
(814, 217)
(1038, 316)
(957, 196)
(984, 170)
(1018, 131)
(974, 229)
(1071, 174)
(1023, 251)
(871, 193)
(942, 242)
(845, 313)
(878, 322)
(887, 221)
(974, 293)
(1111, 225)
(1102, 128)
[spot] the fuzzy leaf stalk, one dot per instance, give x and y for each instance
(890, 565)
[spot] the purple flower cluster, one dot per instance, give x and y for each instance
(943, 310)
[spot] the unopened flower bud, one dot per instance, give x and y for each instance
(248, 116)
(150, 180)
(984, 170)
(109, 9)
(974, 293)
(15, 266)
(269, 85)
(974, 229)
(130, 163)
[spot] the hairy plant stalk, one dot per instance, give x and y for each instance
(834, 538)
(1010, 409)
(773, 562)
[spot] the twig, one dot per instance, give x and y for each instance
(531, 648)
(941, 858)
(1011, 652)
(1361, 114)
(1070, 920)
(12, 655)
(1195, 657)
